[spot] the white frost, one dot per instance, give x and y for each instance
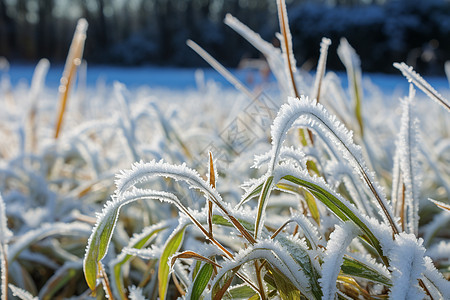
(339, 240)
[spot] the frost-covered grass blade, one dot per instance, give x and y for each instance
(418, 81)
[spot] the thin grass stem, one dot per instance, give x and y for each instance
(321, 68)
(105, 281)
(220, 68)
(287, 45)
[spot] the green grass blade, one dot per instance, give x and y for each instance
(201, 281)
(172, 246)
(358, 102)
(242, 292)
(356, 268)
(285, 288)
(278, 257)
(262, 203)
(220, 220)
(102, 233)
(197, 266)
(218, 291)
(339, 208)
(304, 138)
(352, 65)
(61, 278)
(301, 257)
(253, 193)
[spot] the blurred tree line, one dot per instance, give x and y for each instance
(133, 32)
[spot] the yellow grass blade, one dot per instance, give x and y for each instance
(70, 70)
(287, 44)
(212, 182)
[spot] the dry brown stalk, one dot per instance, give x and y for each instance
(70, 69)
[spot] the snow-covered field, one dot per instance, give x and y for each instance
(177, 78)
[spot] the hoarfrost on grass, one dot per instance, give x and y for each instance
(407, 266)
(336, 247)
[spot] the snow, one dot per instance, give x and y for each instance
(178, 78)
(132, 77)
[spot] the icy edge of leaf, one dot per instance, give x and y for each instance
(141, 172)
(100, 238)
(21, 293)
(277, 257)
(422, 84)
(5, 233)
(407, 147)
(339, 240)
(319, 119)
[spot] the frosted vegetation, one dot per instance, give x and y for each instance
(303, 190)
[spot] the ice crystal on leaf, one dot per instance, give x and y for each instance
(5, 233)
(410, 176)
(136, 293)
(21, 294)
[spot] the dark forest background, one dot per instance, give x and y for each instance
(135, 32)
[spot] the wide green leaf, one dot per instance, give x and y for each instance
(98, 246)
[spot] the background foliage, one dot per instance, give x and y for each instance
(155, 31)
